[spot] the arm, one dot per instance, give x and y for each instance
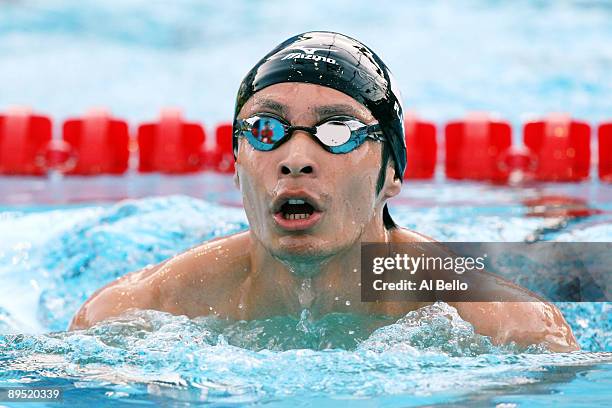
(134, 290)
(522, 322)
(523, 318)
(187, 284)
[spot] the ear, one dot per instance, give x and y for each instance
(393, 184)
(236, 178)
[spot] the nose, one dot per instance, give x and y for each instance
(299, 158)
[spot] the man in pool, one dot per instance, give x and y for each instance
(312, 195)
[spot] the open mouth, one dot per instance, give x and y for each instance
(296, 209)
(296, 213)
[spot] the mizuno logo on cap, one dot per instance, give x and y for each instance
(308, 53)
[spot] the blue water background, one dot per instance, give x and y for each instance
(518, 58)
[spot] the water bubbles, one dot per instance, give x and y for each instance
(34, 284)
(305, 324)
(116, 394)
(306, 294)
(431, 348)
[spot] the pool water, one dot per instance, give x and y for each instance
(53, 257)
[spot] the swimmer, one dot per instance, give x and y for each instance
(311, 195)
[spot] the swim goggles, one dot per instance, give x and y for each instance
(338, 135)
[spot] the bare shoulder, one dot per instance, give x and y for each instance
(528, 321)
(204, 277)
(184, 284)
(524, 323)
(401, 234)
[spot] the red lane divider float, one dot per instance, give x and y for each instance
(605, 151)
(23, 141)
(171, 145)
(100, 144)
(475, 147)
(478, 147)
(517, 164)
(562, 147)
(59, 156)
(421, 148)
(222, 158)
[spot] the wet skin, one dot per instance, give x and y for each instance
(279, 266)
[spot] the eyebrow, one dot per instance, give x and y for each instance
(337, 109)
(272, 105)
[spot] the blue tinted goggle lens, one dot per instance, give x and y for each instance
(267, 130)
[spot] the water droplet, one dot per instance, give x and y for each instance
(336, 298)
(355, 270)
(348, 303)
(306, 295)
(240, 306)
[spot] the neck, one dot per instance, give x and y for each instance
(323, 284)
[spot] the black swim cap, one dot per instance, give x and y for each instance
(340, 62)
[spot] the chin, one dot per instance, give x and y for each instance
(306, 247)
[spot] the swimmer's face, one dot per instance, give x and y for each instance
(339, 190)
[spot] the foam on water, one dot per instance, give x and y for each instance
(431, 351)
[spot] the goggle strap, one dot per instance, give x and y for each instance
(371, 131)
